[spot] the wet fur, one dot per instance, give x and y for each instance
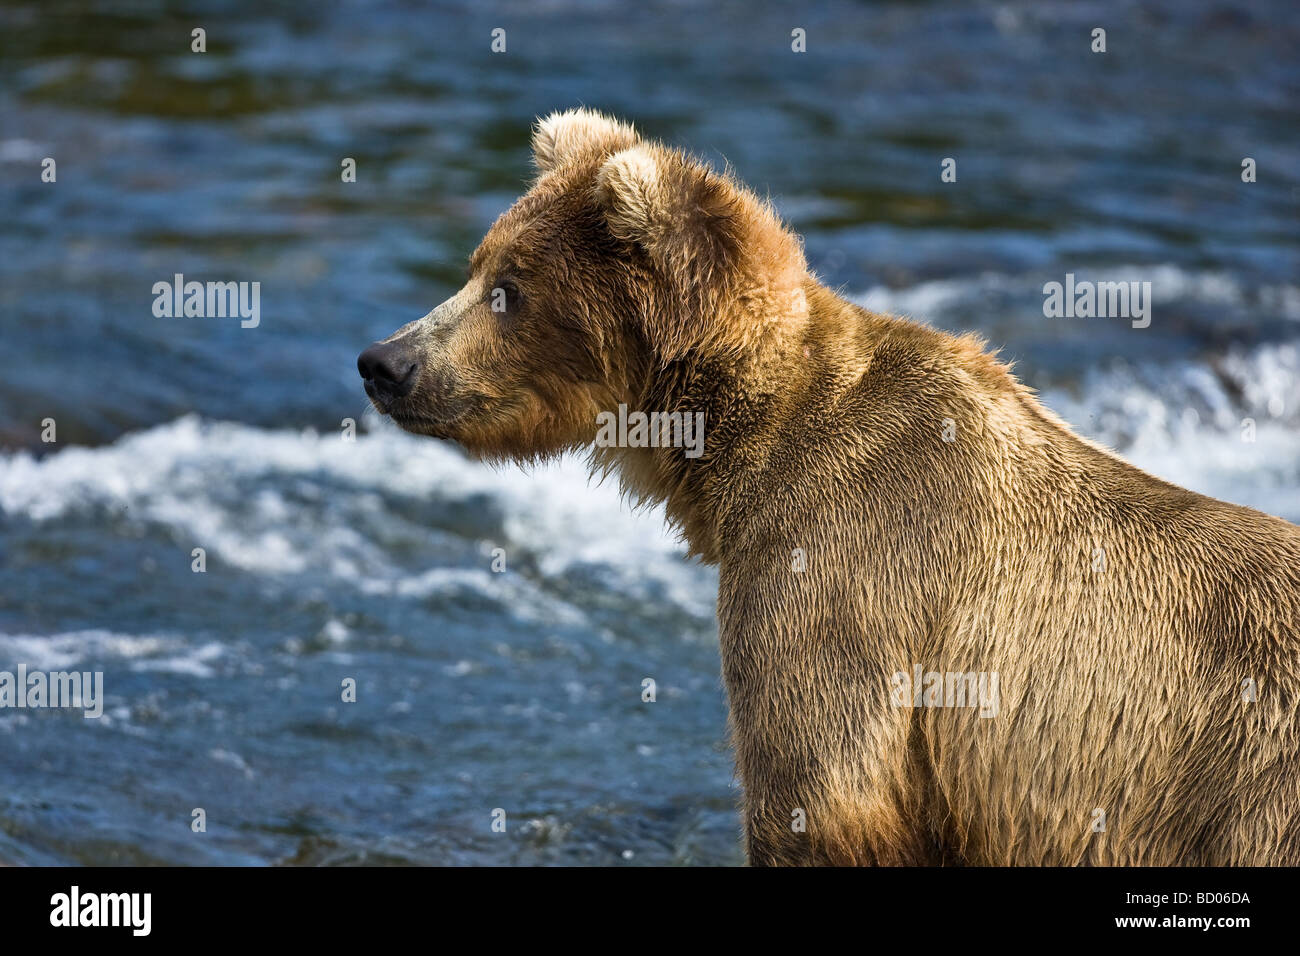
(647, 278)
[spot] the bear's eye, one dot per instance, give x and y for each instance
(505, 297)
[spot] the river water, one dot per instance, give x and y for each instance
(371, 560)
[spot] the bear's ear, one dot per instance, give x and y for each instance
(723, 254)
(686, 216)
(561, 137)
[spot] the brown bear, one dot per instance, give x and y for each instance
(952, 631)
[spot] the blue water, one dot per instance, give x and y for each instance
(371, 560)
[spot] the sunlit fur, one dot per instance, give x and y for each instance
(651, 280)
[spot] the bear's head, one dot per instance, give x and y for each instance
(624, 258)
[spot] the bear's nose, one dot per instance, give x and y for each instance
(389, 368)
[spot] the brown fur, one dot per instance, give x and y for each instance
(646, 278)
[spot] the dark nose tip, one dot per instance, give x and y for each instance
(389, 368)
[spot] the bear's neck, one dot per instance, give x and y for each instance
(744, 400)
(772, 413)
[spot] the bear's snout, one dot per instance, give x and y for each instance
(389, 370)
